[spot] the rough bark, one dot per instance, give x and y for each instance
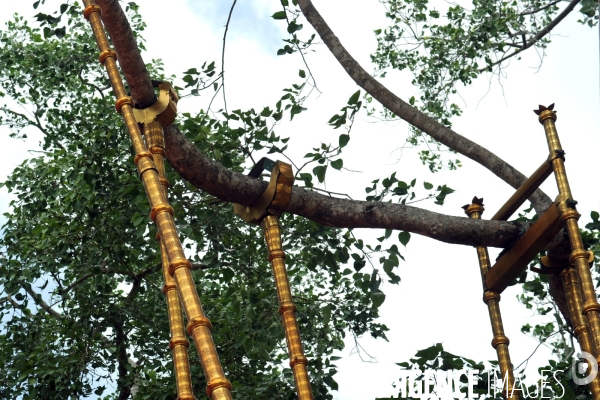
(131, 62)
(410, 114)
(212, 177)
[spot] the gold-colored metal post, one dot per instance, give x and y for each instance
(218, 387)
(179, 343)
(579, 257)
(287, 308)
(266, 211)
(492, 299)
(572, 288)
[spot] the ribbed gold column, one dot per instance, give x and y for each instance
(179, 343)
(492, 299)
(579, 257)
(573, 294)
(218, 387)
(287, 308)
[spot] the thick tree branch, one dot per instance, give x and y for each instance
(415, 117)
(231, 186)
(130, 60)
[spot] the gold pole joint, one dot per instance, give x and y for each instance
(159, 208)
(168, 287)
(287, 306)
(139, 156)
(217, 383)
(196, 322)
(490, 295)
(276, 254)
(121, 101)
(577, 254)
(158, 150)
(107, 53)
(179, 263)
(568, 213)
(298, 360)
(500, 339)
(591, 306)
(579, 329)
(178, 341)
(165, 182)
(91, 9)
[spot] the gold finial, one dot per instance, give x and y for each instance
(545, 113)
(475, 206)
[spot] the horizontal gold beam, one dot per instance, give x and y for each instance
(515, 260)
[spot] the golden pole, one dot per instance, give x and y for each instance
(492, 299)
(218, 387)
(572, 288)
(579, 257)
(287, 308)
(266, 211)
(179, 343)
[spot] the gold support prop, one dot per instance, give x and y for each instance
(218, 387)
(179, 344)
(523, 192)
(572, 288)
(268, 209)
(492, 299)
(579, 257)
(510, 265)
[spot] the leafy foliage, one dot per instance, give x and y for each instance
(82, 308)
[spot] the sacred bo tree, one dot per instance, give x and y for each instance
(83, 310)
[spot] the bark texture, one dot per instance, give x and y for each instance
(212, 177)
(131, 62)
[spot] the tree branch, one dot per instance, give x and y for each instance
(541, 8)
(130, 60)
(439, 132)
(234, 187)
(538, 36)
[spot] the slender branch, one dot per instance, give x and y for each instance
(40, 302)
(541, 8)
(415, 117)
(223, 54)
(539, 36)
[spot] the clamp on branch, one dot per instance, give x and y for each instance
(164, 109)
(275, 198)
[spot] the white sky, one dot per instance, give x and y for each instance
(439, 297)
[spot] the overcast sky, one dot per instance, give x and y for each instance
(439, 297)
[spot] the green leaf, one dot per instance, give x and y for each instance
(279, 15)
(337, 164)
(404, 237)
(320, 171)
(302, 73)
(354, 98)
(427, 185)
(377, 297)
(344, 139)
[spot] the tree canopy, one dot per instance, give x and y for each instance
(82, 309)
